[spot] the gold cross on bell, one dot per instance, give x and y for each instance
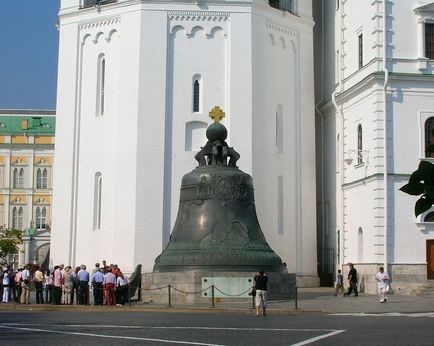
(216, 114)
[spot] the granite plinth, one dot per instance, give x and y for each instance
(189, 287)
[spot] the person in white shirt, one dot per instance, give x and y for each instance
(122, 289)
(383, 282)
(6, 287)
(25, 284)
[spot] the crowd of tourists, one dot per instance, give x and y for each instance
(65, 285)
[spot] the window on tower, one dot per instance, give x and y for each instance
(93, 3)
(287, 5)
(360, 44)
(101, 85)
(359, 145)
(97, 201)
(429, 40)
(197, 90)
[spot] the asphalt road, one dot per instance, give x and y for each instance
(149, 328)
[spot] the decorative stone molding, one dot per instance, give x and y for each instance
(192, 21)
(281, 34)
(197, 16)
(99, 24)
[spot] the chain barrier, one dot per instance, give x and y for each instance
(76, 290)
(233, 295)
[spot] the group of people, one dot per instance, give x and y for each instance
(63, 284)
(381, 277)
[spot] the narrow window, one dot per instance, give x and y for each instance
(21, 178)
(359, 145)
(337, 67)
(38, 218)
(101, 86)
(20, 218)
(196, 96)
(45, 178)
(337, 4)
(15, 178)
(429, 137)
(39, 179)
(97, 201)
(429, 40)
(360, 39)
(14, 217)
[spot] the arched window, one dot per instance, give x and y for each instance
(14, 217)
(41, 218)
(429, 217)
(44, 178)
(429, 137)
(196, 93)
(101, 85)
(39, 179)
(359, 144)
(17, 217)
(97, 201)
(18, 178)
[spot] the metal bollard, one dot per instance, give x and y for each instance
(296, 298)
(170, 299)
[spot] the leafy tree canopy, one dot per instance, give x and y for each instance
(10, 239)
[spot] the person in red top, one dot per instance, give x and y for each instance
(109, 284)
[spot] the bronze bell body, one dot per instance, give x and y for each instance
(217, 228)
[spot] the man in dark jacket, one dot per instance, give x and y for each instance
(352, 280)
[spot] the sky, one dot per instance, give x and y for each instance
(28, 54)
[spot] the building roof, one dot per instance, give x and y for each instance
(31, 122)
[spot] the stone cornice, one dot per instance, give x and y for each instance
(198, 16)
(100, 23)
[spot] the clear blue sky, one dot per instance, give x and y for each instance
(28, 54)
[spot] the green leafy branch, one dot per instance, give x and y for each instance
(421, 183)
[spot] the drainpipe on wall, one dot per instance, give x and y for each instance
(341, 134)
(386, 81)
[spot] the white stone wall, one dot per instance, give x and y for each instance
(357, 199)
(252, 60)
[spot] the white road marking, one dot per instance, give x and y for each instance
(311, 340)
(108, 336)
(32, 327)
(387, 314)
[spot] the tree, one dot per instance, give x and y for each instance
(10, 239)
(421, 182)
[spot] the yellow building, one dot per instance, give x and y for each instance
(26, 169)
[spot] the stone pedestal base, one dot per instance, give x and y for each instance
(195, 287)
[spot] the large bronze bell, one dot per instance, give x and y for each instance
(217, 228)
